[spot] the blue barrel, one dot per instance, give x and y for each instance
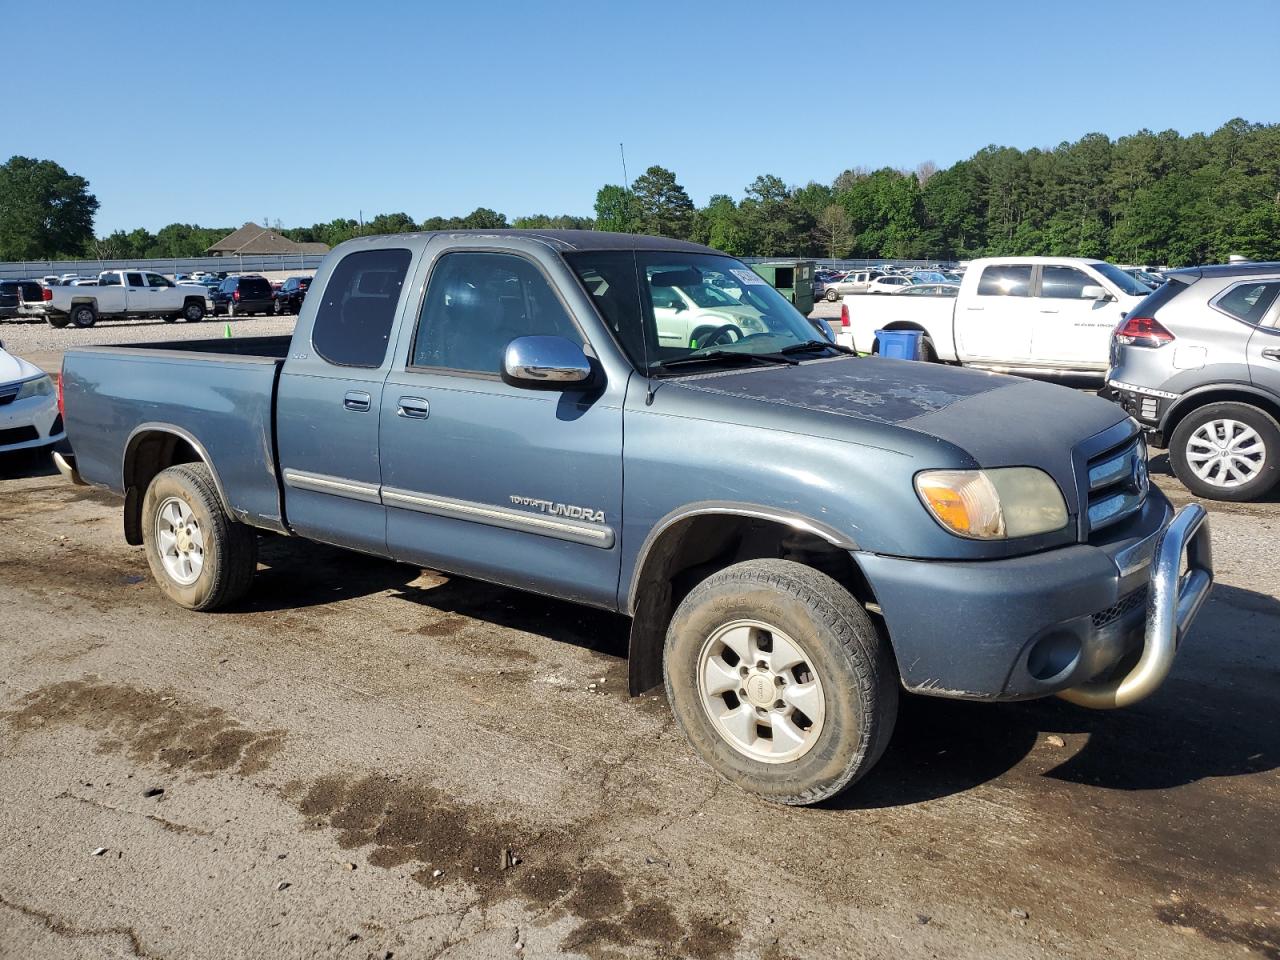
(900, 344)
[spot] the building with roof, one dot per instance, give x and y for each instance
(253, 239)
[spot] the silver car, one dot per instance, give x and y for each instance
(1198, 364)
(855, 281)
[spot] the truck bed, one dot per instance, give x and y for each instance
(217, 395)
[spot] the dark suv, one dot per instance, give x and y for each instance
(241, 296)
(21, 298)
(290, 296)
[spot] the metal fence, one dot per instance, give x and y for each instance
(21, 270)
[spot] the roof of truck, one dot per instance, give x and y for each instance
(562, 240)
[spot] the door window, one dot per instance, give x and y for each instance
(1249, 301)
(134, 280)
(155, 280)
(1064, 283)
(358, 307)
(476, 304)
(1005, 280)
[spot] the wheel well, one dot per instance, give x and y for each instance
(148, 454)
(692, 549)
(1223, 395)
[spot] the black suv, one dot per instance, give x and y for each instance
(241, 296)
(290, 296)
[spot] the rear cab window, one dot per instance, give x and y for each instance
(1005, 280)
(358, 307)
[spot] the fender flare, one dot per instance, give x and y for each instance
(1233, 386)
(133, 496)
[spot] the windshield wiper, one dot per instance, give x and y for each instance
(716, 355)
(809, 345)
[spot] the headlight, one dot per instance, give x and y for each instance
(39, 387)
(993, 504)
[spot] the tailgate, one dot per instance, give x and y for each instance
(222, 405)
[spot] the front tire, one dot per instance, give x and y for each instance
(780, 681)
(193, 312)
(1226, 451)
(200, 557)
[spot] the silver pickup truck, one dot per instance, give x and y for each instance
(796, 533)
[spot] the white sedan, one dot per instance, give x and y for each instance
(29, 415)
(887, 285)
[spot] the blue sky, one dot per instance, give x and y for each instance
(220, 113)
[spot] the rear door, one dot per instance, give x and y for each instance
(995, 323)
(1264, 343)
(487, 479)
(1068, 329)
(327, 406)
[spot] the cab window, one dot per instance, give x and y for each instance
(358, 307)
(1064, 283)
(476, 304)
(1005, 280)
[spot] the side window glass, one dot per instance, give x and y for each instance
(1064, 283)
(358, 307)
(155, 280)
(1249, 301)
(134, 280)
(1005, 280)
(109, 280)
(476, 304)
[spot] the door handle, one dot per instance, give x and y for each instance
(1048, 310)
(357, 401)
(1271, 353)
(413, 408)
(975, 308)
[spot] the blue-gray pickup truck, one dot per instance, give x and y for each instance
(797, 533)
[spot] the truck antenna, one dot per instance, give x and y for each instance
(644, 335)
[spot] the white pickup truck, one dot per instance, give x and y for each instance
(127, 293)
(1049, 315)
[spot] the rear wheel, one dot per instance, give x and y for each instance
(277, 306)
(1226, 451)
(200, 557)
(832, 296)
(927, 353)
(83, 315)
(231, 310)
(780, 681)
(57, 320)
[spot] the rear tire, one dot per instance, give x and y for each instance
(231, 311)
(57, 320)
(83, 315)
(277, 307)
(217, 565)
(1249, 438)
(832, 296)
(927, 352)
(830, 668)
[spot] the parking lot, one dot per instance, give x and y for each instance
(370, 760)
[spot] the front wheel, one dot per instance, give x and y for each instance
(193, 312)
(1226, 451)
(200, 557)
(780, 681)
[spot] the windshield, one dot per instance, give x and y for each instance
(1126, 283)
(735, 310)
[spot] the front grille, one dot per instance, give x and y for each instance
(1117, 611)
(1118, 483)
(18, 435)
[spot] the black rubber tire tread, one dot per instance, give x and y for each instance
(1255, 417)
(93, 315)
(57, 321)
(865, 671)
(927, 351)
(192, 302)
(231, 548)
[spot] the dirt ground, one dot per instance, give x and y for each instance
(366, 760)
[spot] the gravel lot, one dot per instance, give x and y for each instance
(368, 760)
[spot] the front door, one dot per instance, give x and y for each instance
(1069, 329)
(486, 479)
(995, 323)
(327, 403)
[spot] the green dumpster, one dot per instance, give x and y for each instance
(791, 278)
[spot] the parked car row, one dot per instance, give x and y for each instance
(82, 301)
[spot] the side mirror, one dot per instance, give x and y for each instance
(678, 306)
(1092, 292)
(546, 363)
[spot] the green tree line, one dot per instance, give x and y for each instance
(1160, 198)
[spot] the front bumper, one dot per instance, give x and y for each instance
(25, 424)
(1099, 624)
